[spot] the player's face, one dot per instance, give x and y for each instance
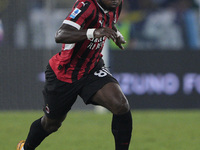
(111, 4)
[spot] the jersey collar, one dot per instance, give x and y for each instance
(105, 11)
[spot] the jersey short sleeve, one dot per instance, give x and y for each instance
(81, 11)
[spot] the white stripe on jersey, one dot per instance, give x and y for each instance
(105, 11)
(69, 46)
(77, 26)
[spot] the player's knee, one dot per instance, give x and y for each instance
(51, 126)
(121, 108)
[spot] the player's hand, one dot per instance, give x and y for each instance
(108, 32)
(119, 41)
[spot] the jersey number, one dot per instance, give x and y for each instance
(100, 73)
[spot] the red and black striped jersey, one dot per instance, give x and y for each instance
(78, 59)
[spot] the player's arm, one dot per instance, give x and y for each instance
(120, 39)
(69, 34)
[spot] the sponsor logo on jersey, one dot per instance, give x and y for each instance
(101, 22)
(83, 4)
(75, 13)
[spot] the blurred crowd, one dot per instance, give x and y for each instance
(160, 24)
(150, 5)
(145, 24)
(3, 6)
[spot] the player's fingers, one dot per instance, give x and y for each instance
(114, 34)
(122, 41)
(110, 36)
(113, 38)
(120, 46)
(111, 32)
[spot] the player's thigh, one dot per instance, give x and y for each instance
(111, 97)
(58, 96)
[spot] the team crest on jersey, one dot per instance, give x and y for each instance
(75, 13)
(47, 109)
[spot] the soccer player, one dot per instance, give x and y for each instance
(79, 70)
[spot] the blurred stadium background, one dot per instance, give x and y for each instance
(160, 68)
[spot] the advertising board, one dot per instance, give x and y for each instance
(158, 79)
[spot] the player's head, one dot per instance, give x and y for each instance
(110, 5)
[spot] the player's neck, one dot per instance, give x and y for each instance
(104, 7)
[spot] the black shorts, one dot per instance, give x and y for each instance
(59, 96)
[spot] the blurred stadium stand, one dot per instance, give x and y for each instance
(151, 28)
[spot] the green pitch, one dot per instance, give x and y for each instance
(153, 130)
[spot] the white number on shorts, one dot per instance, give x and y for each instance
(100, 73)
